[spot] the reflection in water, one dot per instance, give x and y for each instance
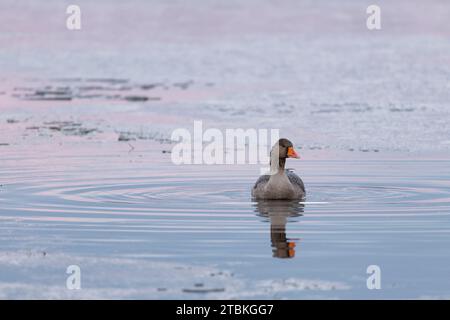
(278, 212)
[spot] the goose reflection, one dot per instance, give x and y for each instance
(278, 212)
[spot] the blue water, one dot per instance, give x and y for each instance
(368, 112)
(394, 214)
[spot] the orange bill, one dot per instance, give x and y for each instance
(292, 153)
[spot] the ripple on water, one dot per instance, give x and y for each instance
(196, 192)
(370, 214)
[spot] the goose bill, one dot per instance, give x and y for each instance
(292, 153)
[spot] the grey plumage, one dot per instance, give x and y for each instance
(293, 178)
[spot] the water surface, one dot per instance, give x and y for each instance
(86, 177)
(123, 215)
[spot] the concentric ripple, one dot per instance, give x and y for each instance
(196, 191)
(355, 214)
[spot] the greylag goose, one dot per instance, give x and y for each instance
(280, 184)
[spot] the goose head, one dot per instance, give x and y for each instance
(281, 150)
(285, 149)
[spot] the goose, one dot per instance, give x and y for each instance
(280, 184)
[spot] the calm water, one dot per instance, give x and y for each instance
(134, 226)
(85, 171)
